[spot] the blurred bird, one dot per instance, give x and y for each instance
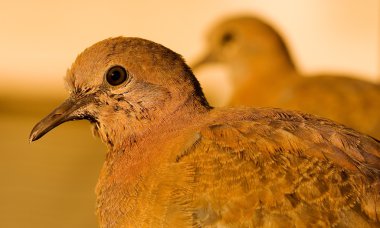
(174, 161)
(263, 73)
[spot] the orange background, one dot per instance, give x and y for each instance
(40, 39)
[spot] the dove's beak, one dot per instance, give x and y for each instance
(207, 58)
(71, 109)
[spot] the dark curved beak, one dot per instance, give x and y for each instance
(71, 109)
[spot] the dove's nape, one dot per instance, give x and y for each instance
(173, 161)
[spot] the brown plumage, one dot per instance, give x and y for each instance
(174, 161)
(263, 74)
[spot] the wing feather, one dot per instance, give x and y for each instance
(279, 167)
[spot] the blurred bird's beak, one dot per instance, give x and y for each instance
(68, 110)
(209, 57)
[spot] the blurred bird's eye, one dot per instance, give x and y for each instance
(116, 75)
(227, 37)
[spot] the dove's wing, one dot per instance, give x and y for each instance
(277, 168)
(352, 102)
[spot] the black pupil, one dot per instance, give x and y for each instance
(116, 75)
(227, 37)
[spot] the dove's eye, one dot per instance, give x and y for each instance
(227, 38)
(116, 75)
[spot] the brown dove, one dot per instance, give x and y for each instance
(174, 161)
(264, 74)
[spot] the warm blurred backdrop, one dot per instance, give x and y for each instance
(50, 183)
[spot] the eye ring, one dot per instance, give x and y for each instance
(116, 75)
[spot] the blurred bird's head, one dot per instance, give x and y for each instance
(244, 40)
(124, 84)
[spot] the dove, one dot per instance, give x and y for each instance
(174, 161)
(263, 73)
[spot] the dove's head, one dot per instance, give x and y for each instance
(244, 40)
(125, 84)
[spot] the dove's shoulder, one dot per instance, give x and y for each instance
(292, 131)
